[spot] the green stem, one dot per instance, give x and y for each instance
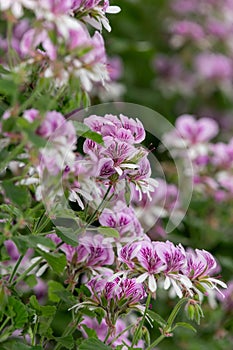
(21, 277)
(39, 228)
(156, 342)
(34, 333)
(9, 43)
(5, 323)
(121, 333)
(168, 327)
(135, 338)
(174, 313)
(16, 268)
(107, 336)
(98, 208)
(69, 330)
(31, 99)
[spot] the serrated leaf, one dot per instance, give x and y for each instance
(185, 325)
(34, 303)
(157, 318)
(91, 333)
(53, 289)
(20, 316)
(46, 311)
(85, 290)
(67, 341)
(93, 344)
(19, 195)
(108, 231)
(55, 260)
(32, 241)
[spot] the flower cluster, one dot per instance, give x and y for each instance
(200, 35)
(212, 162)
(121, 157)
(54, 41)
(185, 272)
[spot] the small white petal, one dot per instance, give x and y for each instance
(113, 9)
(118, 170)
(221, 283)
(142, 278)
(177, 289)
(167, 283)
(152, 283)
(42, 247)
(42, 270)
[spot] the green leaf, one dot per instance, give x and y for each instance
(67, 341)
(185, 325)
(11, 209)
(68, 235)
(84, 131)
(55, 260)
(6, 157)
(108, 231)
(7, 87)
(34, 303)
(53, 289)
(19, 195)
(36, 140)
(157, 318)
(31, 281)
(93, 344)
(21, 346)
(32, 241)
(46, 311)
(91, 333)
(3, 70)
(19, 315)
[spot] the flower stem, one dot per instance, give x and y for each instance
(16, 268)
(108, 335)
(135, 338)
(98, 208)
(121, 333)
(5, 323)
(21, 277)
(156, 342)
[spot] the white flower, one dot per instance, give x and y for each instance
(16, 6)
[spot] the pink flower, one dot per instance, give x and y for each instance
(214, 66)
(93, 252)
(188, 29)
(119, 154)
(118, 289)
(196, 131)
(115, 67)
(123, 219)
(151, 263)
(222, 154)
(200, 267)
